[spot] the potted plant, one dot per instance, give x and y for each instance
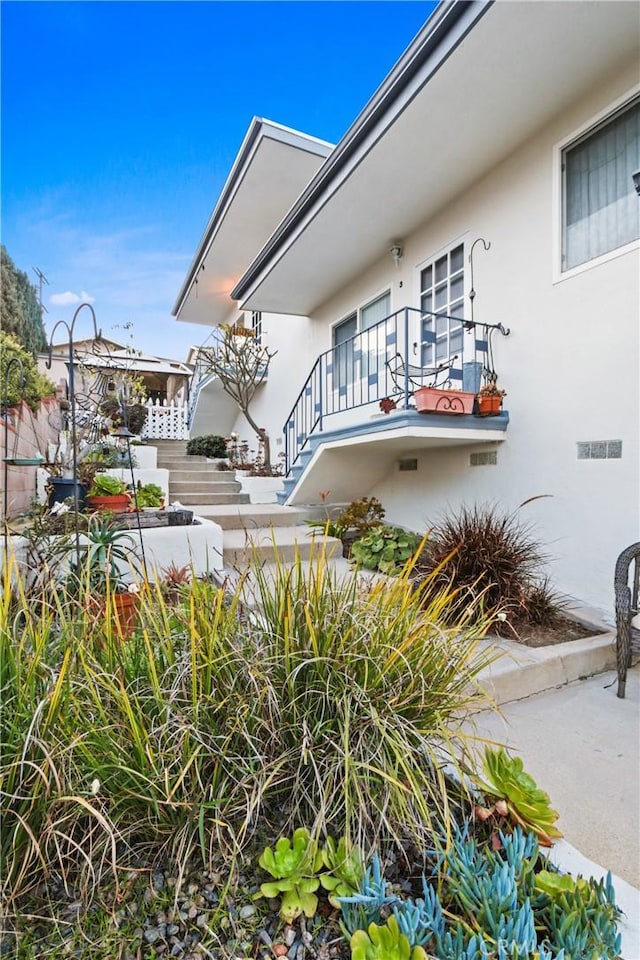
(96, 570)
(108, 493)
(149, 496)
(443, 400)
(489, 400)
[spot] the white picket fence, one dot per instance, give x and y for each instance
(166, 421)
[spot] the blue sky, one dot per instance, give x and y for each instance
(120, 122)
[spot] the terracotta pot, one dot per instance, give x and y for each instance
(489, 406)
(117, 503)
(124, 611)
(434, 400)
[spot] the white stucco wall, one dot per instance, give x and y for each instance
(570, 365)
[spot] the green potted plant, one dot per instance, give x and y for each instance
(96, 570)
(108, 493)
(149, 496)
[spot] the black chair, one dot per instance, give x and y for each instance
(626, 600)
(416, 376)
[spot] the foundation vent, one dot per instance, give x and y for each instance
(486, 458)
(600, 450)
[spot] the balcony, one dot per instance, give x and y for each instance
(382, 370)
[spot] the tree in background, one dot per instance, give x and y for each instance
(20, 312)
(241, 363)
(35, 384)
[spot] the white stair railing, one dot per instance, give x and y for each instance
(166, 421)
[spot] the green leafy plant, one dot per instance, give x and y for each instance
(294, 865)
(384, 943)
(386, 549)
(209, 445)
(526, 804)
(105, 485)
(345, 869)
(358, 518)
(98, 566)
(149, 495)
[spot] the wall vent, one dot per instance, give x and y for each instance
(599, 449)
(410, 463)
(487, 458)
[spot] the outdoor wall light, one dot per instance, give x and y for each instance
(396, 252)
(636, 181)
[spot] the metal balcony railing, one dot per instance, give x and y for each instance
(391, 359)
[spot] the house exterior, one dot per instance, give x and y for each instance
(478, 219)
(96, 360)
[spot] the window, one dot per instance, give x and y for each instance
(601, 211)
(343, 355)
(442, 297)
(256, 325)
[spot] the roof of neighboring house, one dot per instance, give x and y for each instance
(273, 165)
(478, 80)
(134, 362)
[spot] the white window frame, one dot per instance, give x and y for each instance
(461, 241)
(558, 274)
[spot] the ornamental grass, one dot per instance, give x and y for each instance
(298, 697)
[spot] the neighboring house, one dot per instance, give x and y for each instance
(514, 125)
(97, 361)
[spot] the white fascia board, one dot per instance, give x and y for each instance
(442, 33)
(259, 129)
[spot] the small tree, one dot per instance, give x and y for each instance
(241, 363)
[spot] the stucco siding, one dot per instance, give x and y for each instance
(570, 365)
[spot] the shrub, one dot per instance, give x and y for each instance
(330, 705)
(35, 385)
(490, 556)
(209, 445)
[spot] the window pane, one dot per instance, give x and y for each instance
(457, 258)
(441, 296)
(600, 204)
(457, 289)
(425, 278)
(441, 269)
(457, 309)
(426, 303)
(375, 311)
(345, 330)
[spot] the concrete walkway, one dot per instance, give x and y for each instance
(582, 745)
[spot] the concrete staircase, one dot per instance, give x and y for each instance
(250, 531)
(194, 480)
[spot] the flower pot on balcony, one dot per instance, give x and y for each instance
(434, 400)
(489, 406)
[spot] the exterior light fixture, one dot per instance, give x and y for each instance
(636, 181)
(396, 252)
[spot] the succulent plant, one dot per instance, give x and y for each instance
(346, 870)
(384, 943)
(294, 865)
(526, 804)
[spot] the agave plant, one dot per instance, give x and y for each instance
(519, 798)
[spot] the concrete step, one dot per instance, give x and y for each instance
(208, 499)
(250, 516)
(179, 487)
(287, 543)
(203, 471)
(181, 460)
